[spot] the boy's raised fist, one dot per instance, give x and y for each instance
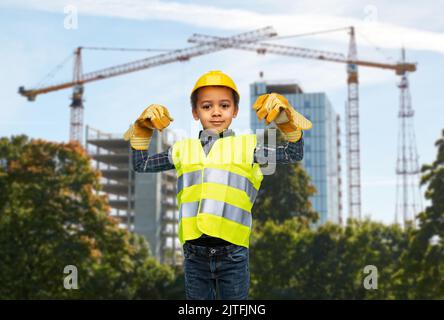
(155, 116)
(275, 107)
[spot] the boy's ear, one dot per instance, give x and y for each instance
(235, 112)
(195, 116)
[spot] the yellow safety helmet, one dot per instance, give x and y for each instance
(215, 78)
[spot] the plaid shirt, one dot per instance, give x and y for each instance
(286, 154)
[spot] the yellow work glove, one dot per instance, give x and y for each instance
(275, 107)
(155, 116)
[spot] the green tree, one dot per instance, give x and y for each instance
(51, 216)
(292, 261)
(285, 194)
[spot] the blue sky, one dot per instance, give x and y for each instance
(34, 41)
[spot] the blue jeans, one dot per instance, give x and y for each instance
(210, 268)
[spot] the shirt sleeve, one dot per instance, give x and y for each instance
(289, 153)
(143, 162)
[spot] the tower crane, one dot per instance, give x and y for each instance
(80, 78)
(352, 106)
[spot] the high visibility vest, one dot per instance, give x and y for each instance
(215, 192)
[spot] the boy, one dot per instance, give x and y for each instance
(215, 197)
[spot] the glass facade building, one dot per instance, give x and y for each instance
(321, 147)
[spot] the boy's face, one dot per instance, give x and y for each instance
(215, 108)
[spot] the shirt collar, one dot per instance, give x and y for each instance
(205, 135)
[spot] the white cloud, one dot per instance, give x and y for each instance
(301, 19)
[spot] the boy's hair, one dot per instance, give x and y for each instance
(195, 93)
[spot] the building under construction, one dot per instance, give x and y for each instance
(144, 203)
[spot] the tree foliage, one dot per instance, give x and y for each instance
(290, 260)
(293, 261)
(52, 216)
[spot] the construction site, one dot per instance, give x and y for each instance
(146, 203)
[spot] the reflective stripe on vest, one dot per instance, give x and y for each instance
(217, 208)
(217, 176)
(188, 209)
